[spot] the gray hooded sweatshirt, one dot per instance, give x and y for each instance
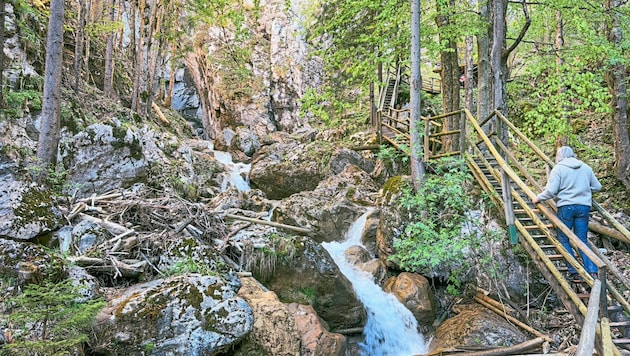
(571, 181)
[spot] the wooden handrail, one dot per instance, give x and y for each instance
(517, 180)
(611, 219)
(587, 337)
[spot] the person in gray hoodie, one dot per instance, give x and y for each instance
(572, 182)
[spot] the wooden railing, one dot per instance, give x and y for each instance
(512, 175)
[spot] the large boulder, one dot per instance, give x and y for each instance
(332, 207)
(316, 339)
(274, 331)
(476, 326)
(27, 210)
(281, 329)
(311, 276)
(343, 157)
(189, 314)
(104, 157)
(414, 292)
(283, 169)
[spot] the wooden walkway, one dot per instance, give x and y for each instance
(511, 186)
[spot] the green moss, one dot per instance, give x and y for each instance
(135, 147)
(35, 206)
(19, 102)
(393, 187)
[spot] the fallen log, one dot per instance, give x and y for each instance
(160, 115)
(271, 223)
(517, 349)
(350, 331)
(110, 266)
(513, 320)
(112, 227)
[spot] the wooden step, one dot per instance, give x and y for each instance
(523, 211)
(623, 341)
(614, 308)
(616, 324)
(555, 257)
(534, 227)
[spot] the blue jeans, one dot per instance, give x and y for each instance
(575, 217)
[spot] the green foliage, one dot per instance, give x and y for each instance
(262, 261)
(309, 294)
(442, 227)
(552, 97)
(20, 102)
(53, 319)
(322, 107)
(190, 265)
(30, 24)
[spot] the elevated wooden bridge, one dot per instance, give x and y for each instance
(599, 304)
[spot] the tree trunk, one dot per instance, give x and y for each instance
(469, 77)
(617, 79)
(154, 50)
(450, 72)
(51, 97)
(78, 46)
(197, 65)
(109, 53)
(171, 80)
(137, 12)
(417, 164)
(484, 70)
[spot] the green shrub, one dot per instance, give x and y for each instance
(19, 101)
(52, 319)
(442, 227)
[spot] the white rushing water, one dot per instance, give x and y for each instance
(391, 329)
(237, 172)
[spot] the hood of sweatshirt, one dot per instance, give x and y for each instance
(571, 162)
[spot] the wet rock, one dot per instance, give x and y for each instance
(316, 339)
(246, 141)
(312, 277)
(189, 314)
(356, 255)
(475, 325)
(414, 292)
(377, 269)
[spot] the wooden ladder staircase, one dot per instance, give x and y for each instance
(536, 226)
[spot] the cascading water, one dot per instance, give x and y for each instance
(236, 172)
(391, 329)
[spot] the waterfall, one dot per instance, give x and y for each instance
(236, 172)
(391, 329)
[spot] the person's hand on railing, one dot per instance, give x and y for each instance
(535, 200)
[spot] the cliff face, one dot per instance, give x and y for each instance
(254, 80)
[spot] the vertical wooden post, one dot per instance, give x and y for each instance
(427, 132)
(463, 133)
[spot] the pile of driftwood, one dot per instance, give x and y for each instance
(143, 222)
